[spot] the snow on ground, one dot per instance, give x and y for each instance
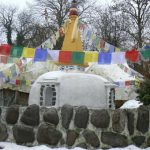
(12, 146)
(130, 104)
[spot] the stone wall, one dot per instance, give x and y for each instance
(9, 97)
(75, 126)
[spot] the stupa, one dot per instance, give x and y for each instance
(72, 40)
(71, 57)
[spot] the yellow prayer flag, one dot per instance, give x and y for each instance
(28, 82)
(7, 73)
(91, 57)
(28, 52)
(117, 49)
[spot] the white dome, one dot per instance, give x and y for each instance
(72, 88)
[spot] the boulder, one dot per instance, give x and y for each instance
(12, 114)
(51, 116)
(114, 139)
(23, 134)
(118, 121)
(47, 134)
(66, 115)
(31, 115)
(3, 132)
(71, 137)
(143, 119)
(130, 123)
(91, 138)
(100, 118)
(81, 117)
(138, 140)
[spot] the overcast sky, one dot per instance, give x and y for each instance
(23, 3)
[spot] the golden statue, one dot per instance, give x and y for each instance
(72, 40)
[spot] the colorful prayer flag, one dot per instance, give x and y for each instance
(104, 58)
(54, 54)
(90, 56)
(132, 55)
(117, 49)
(78, 58)
(16, 51)
(107, 46)
(5, 49)
(102, 43)
(145, 54)
(65, 57)
(40, 55)
(28, 52)
(118, 58)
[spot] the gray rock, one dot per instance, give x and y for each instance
(12, 114)
(66, 115)
(51, 116)
(114, 139)
(143, 119)
(23, 134)
(91, 138)
(148, 142)
(138, 140)
(47, 134)
(81, 117)
(130, 124)
(0, 111)
(71, 137)
(82, 145)
(100, 118)
(118, 121)
(31, 115)
(3, 132)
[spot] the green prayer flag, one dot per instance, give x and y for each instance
(78, 58)
(145, 54)
(16, 51)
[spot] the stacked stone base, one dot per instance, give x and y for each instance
(75, 127)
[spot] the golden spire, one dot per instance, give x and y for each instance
(72, 40)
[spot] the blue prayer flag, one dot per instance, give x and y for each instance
(40, 55)
(104, 58)
(111, 49)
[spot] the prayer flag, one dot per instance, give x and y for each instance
(4, 59)
(28, 52)
(90, 56)
(104, 58)
(102, 43)
(145, 54)
(117, 49)
(78, 57)
(107, 46)
(132, 55)
(5, 49)
(65, 57)
(54, 54)
(18, 82)
(118, 58)
(111, 48)
(40, 55)
(88, 35)
(16, 51)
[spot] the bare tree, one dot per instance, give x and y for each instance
(137, 14)
(55, 11)
(7, 16)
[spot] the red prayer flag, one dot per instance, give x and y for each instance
(65, 56)
(127, 83)
(5, 49)
(4, 59)
(18, 82)
(132, 55)
(102, 43)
